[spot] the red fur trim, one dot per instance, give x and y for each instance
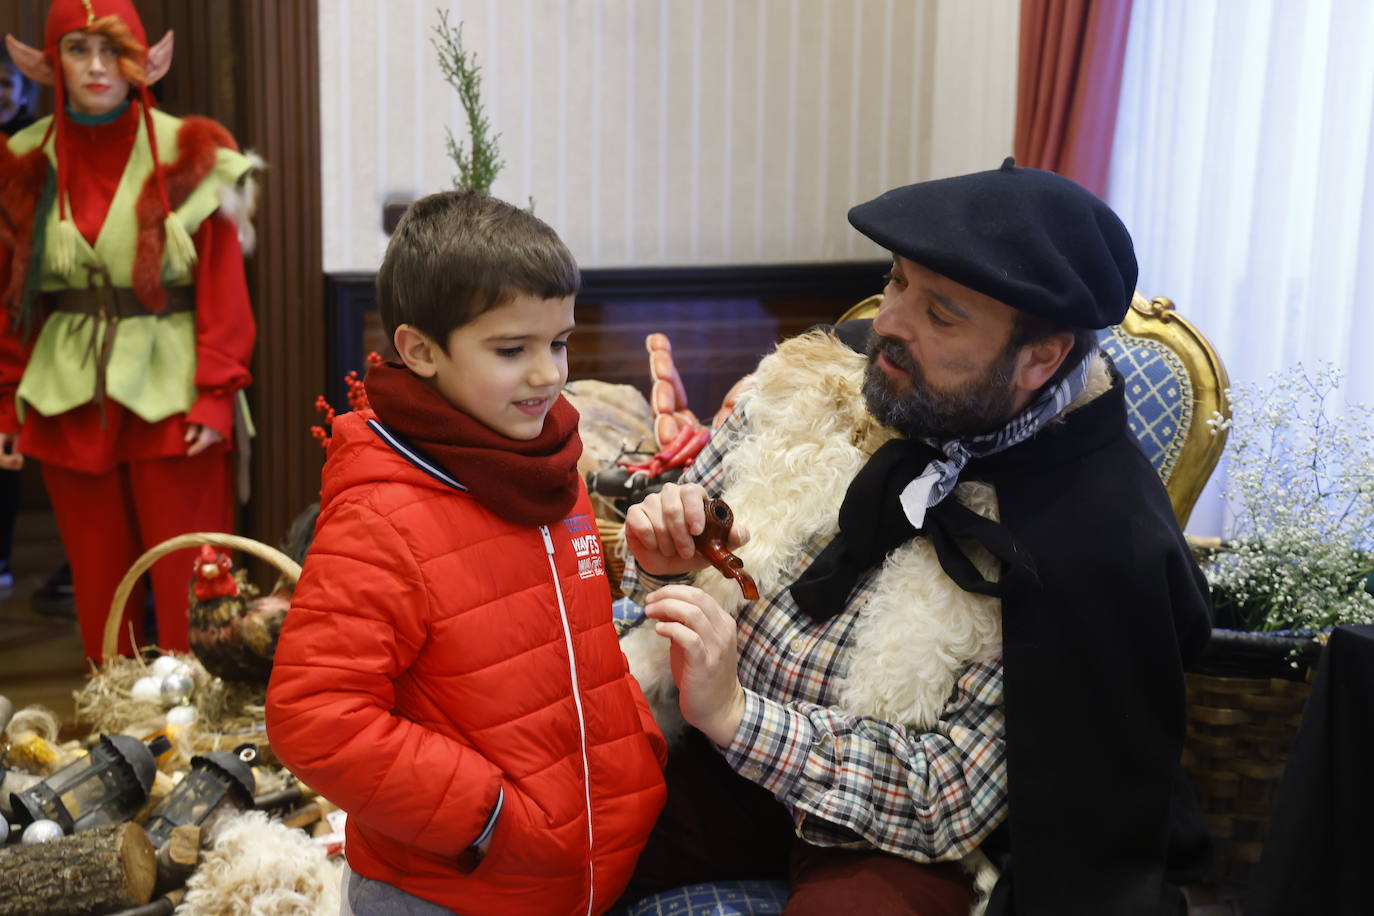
(198, 140)
(21, 184)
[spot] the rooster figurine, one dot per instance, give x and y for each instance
(233, 631)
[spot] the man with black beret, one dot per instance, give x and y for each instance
(962, 683)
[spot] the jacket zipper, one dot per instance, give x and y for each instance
(581, 720)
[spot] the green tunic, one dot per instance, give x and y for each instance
(152, 364)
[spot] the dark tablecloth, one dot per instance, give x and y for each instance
(1319, 856)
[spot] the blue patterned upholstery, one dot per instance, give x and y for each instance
(1159, 395)
(718, 898)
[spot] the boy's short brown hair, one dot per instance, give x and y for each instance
(457, 254)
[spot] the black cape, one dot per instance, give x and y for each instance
(1095, 643)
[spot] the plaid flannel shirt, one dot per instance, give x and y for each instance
(852, 780)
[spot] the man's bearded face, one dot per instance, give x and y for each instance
(918, 411)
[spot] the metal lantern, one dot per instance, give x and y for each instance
(106, 786)
(218, 782)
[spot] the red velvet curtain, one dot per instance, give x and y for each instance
(1069, 82)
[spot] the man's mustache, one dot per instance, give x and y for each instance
(893, 349)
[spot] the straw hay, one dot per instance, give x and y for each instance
(228, 713)
(30, 742)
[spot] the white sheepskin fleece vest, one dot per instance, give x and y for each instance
(810, 433)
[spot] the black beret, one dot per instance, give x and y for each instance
(1030, 238)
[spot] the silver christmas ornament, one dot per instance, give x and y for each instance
(42, 831)
(164, 665)
(147, 688)
(4, 831)
(176, 687)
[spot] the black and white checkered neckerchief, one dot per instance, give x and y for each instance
(942, 474)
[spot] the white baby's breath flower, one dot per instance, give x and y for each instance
(1301, 493)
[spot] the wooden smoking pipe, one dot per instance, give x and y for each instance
(711, 545)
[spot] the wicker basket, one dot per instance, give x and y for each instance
(289, 568)
(204, 740)
(613, 548)
(1240, 730)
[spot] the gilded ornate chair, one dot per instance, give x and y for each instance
(1175, 384)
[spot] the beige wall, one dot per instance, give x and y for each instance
(656, 132)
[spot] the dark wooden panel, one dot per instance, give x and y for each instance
(207, 69)
(764, 281)
(24, 20)
(720, 320)
(280, 109)
(715, 342)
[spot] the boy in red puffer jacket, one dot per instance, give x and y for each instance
(448, 673)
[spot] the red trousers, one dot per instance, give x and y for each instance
(108, 520)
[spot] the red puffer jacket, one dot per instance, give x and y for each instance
(442, 669)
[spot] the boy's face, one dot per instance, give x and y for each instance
(506, 367)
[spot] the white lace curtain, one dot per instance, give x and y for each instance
(1243, 166)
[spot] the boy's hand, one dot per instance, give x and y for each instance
(704, 659)
(659, 530)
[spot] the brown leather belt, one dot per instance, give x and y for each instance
(113, 303)
(120, 302)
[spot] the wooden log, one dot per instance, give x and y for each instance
(288, 796)
(178, 857)
(303, 816)
(96, 871)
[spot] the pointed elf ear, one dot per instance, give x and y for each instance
(159, 60)
(30, 61)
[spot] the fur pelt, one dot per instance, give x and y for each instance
(21, 185)
(239, 203)
(261, 867)
(198, 142)
(810, 434)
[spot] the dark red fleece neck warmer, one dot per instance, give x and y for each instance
(529, 482)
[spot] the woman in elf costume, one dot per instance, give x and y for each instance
(126, 333)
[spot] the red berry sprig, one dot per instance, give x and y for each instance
(357, 400)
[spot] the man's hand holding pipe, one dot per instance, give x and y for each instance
(659, 530)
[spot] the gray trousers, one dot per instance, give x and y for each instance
(366, 897)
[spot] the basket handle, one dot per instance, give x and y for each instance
(288, 567)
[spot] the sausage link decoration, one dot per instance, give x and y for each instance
(711, 545)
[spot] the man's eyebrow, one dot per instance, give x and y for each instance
(948, 304)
